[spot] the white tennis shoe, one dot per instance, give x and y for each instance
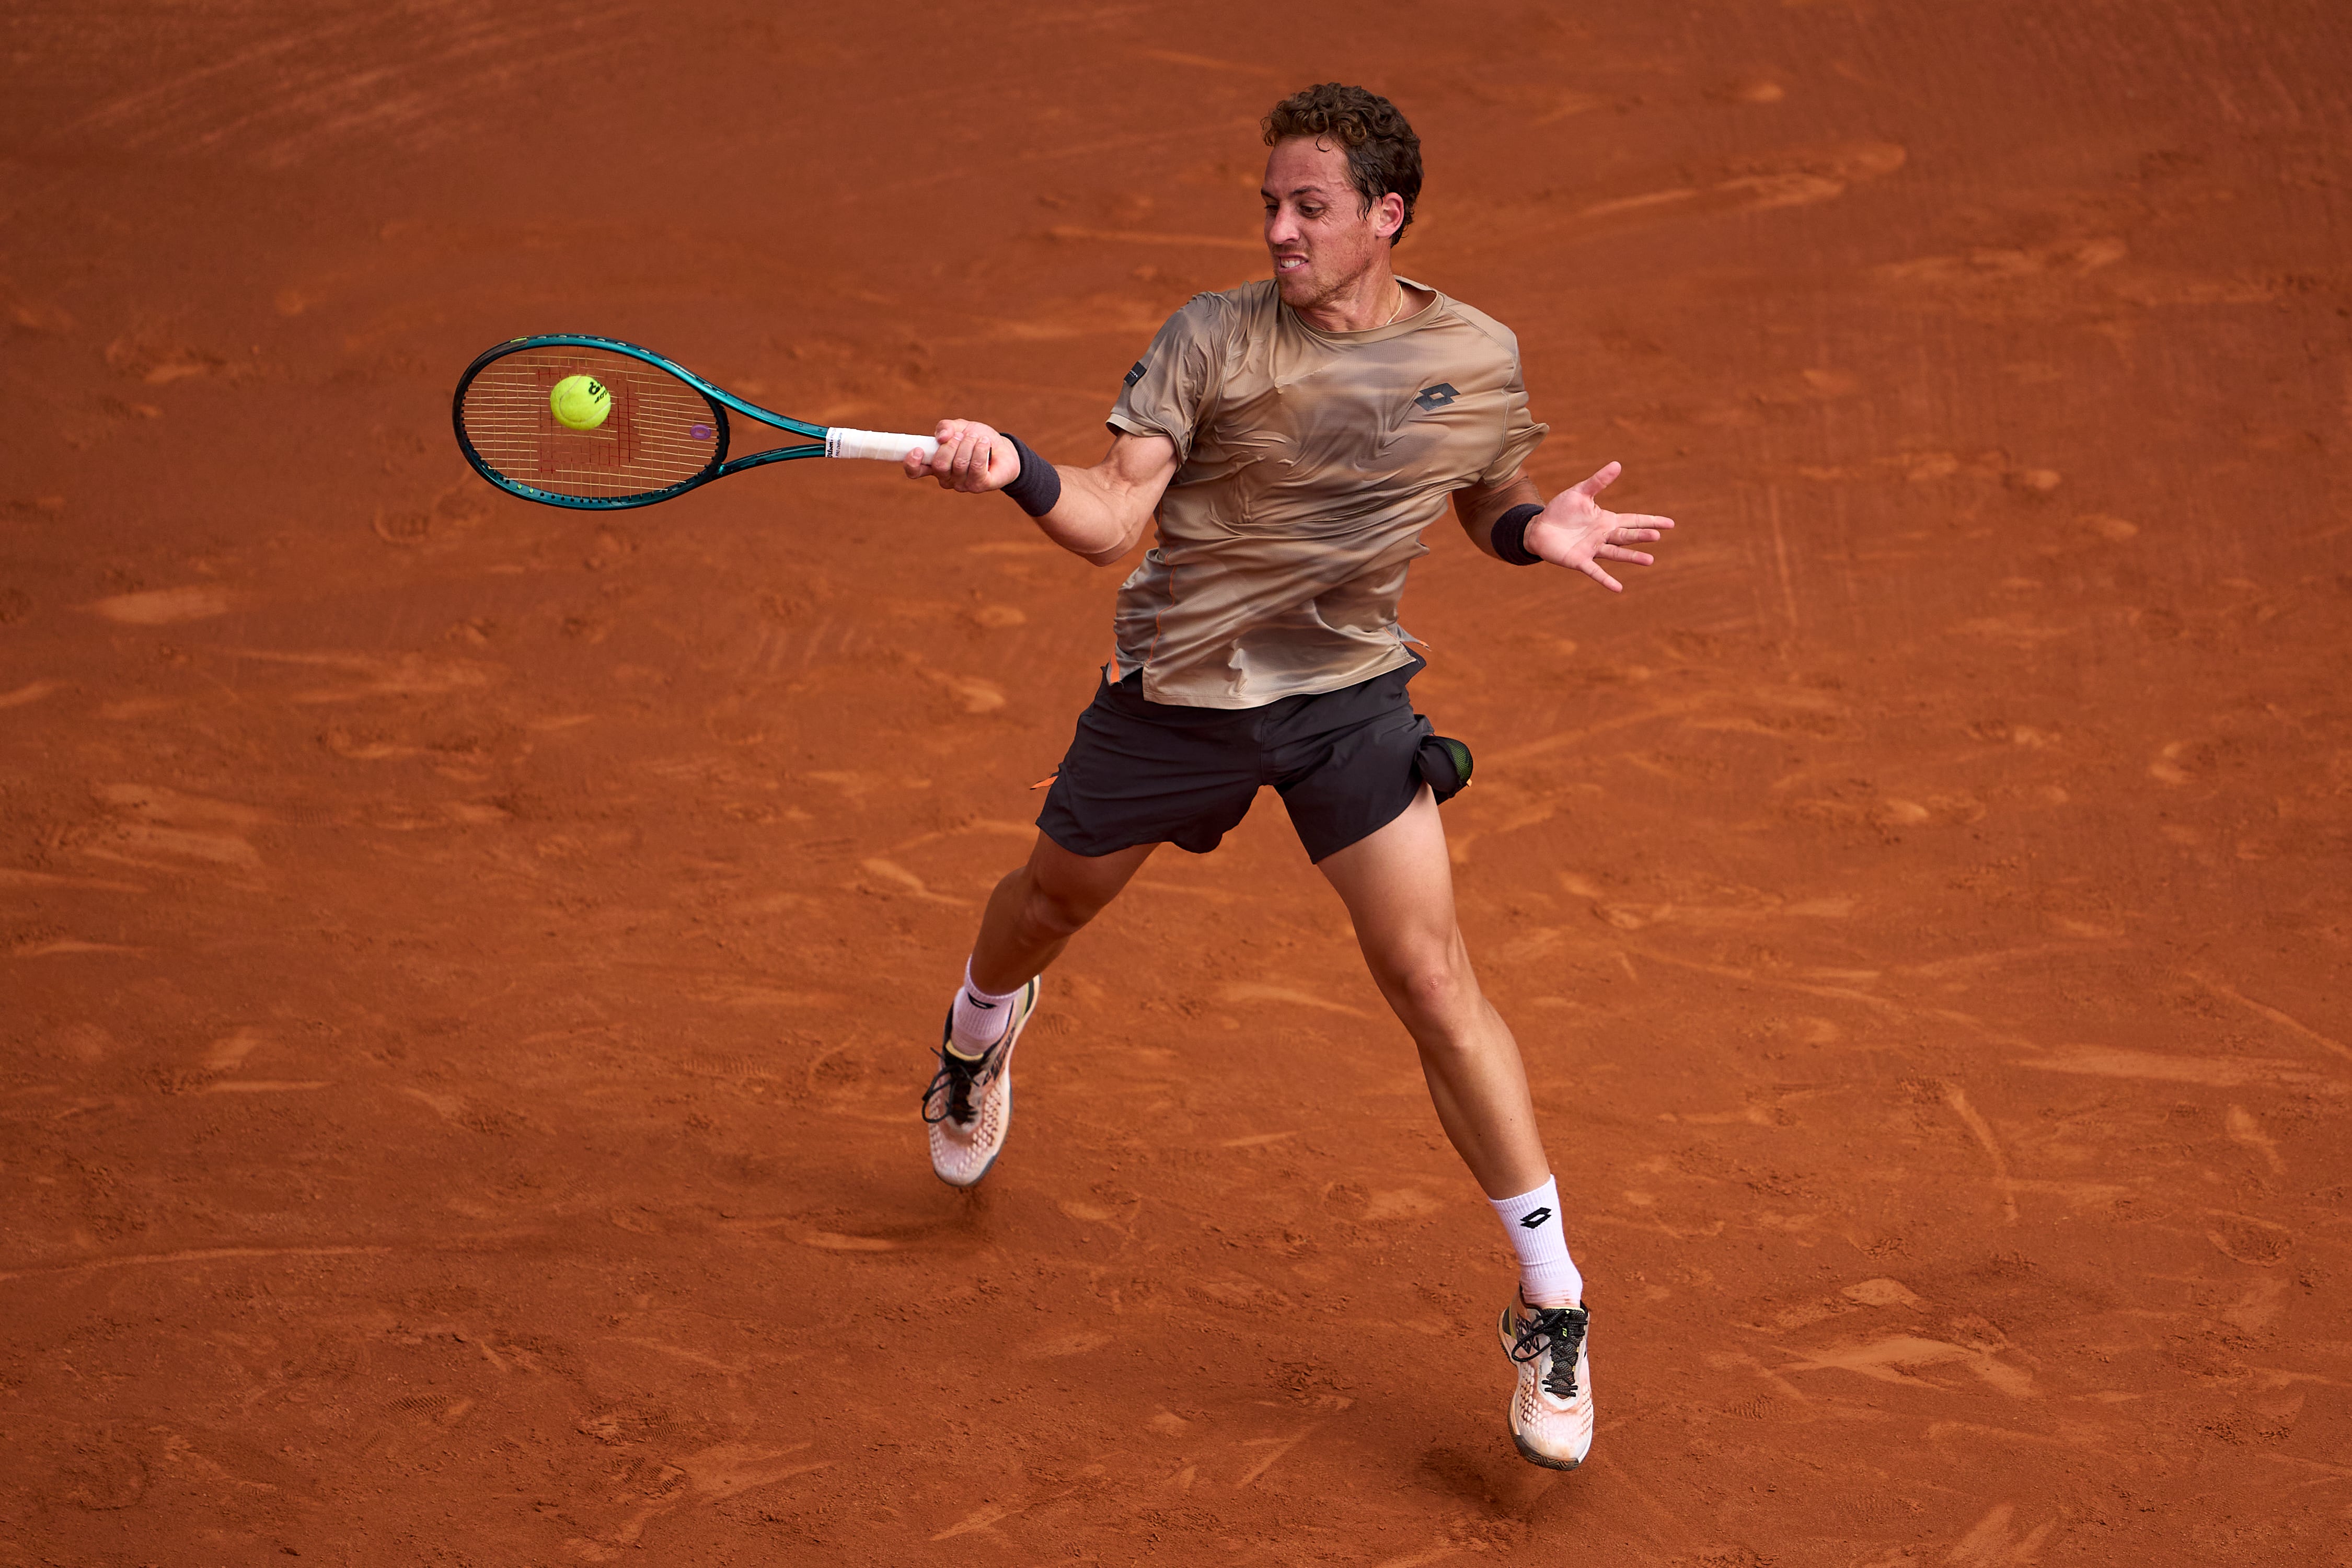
(1551, 1409)
(969, 1106)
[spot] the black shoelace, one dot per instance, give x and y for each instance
(1561, 1331)
(960, 1077)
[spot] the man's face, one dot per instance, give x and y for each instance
(1321, 237)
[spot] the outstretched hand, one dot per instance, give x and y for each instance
(971, 457)
(1574, 531)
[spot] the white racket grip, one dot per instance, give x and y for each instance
(879, 445)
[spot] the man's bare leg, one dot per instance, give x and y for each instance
(1398, 886)
(1035, 911)
(1031, 917)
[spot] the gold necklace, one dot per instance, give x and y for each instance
(1400, 308)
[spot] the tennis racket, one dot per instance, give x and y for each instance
(664, 430)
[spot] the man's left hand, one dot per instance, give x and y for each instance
(1574, 531)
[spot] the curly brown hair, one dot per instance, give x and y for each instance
(1383, 154)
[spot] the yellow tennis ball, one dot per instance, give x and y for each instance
(579, 402)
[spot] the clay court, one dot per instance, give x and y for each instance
(469, 968)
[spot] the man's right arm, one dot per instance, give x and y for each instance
(1101, 513)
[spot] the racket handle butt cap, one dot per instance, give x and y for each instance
(879, 445)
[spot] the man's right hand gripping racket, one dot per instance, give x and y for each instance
(599, 425)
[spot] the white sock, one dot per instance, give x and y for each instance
(1532, 1222)
(981, 1016)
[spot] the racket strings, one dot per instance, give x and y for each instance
(658, 432)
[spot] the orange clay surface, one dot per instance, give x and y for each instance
(466, 969)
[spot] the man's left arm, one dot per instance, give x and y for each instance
(1512, 522)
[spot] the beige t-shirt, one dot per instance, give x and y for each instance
(1309, 462)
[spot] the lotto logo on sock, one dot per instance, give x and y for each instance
(1535, 1219)
(985, 1006)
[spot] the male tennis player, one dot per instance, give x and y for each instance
(1293, 437)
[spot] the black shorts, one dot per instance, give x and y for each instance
(1148, 773)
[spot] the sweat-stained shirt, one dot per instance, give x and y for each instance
(1308, 464)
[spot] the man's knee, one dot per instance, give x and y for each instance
(1056, 913)
(1433, 987)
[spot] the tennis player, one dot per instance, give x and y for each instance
(1293, 437)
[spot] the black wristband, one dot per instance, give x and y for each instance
(1038, 486)
(1511, 534)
